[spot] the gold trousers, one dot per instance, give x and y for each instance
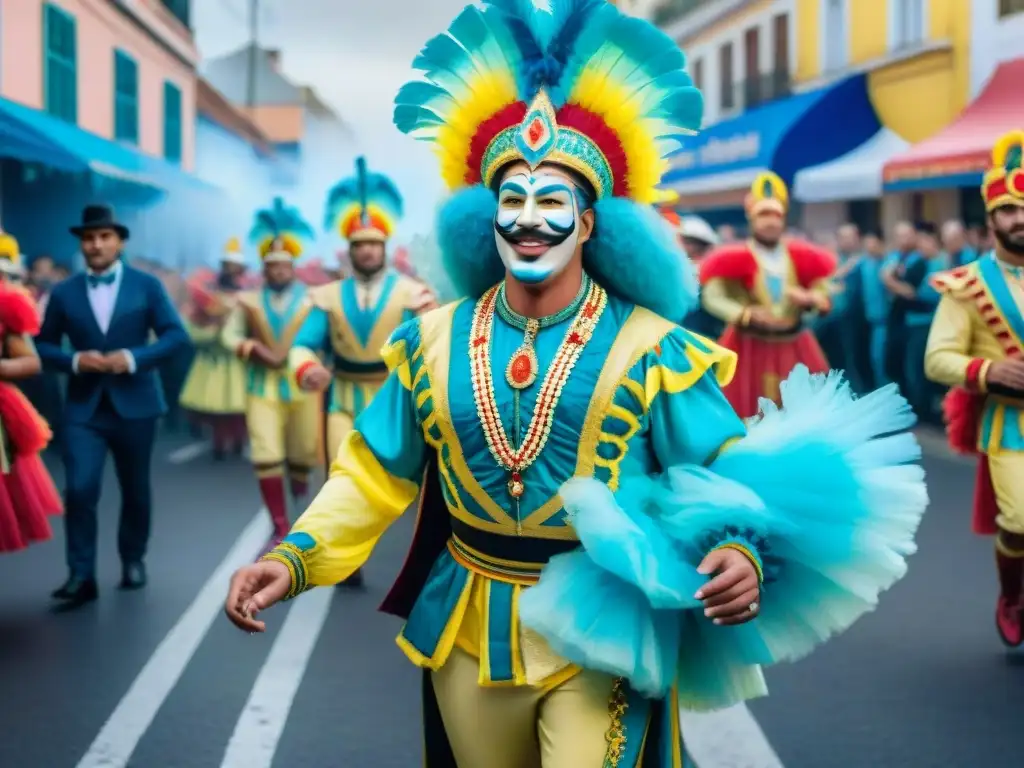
(282, 432)
(522, 726)
(1007, 468)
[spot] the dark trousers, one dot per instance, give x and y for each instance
(130, 442)
(904, 354)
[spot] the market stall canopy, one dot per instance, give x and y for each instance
(958, 155)
(857, 175)
(783, 136)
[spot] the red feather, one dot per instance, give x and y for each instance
(963, 411)
(597, 130)
(730, 262)
(18, 313)
(810, 262)
(27, 430)
(504, 118)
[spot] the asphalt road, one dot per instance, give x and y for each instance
(158, 679)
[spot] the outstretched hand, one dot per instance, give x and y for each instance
(255, 588)
(733, 595)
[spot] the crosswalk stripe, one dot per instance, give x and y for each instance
(263, 719)
(729, 738)
(188, 452)
(124, 729)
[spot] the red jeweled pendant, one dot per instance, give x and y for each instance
(515, 485)
(522, 368)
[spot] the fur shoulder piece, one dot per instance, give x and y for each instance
(961, 282)
(810, 262)
(730, 262)
(18, 312)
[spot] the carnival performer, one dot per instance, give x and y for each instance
(562, 406)
(355, 317)
(283, 421)
(27, 493)
(765, 290)
(215, 389)
(975, 347)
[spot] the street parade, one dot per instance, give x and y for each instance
(519, 384)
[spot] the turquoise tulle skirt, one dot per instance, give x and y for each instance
(827, 490)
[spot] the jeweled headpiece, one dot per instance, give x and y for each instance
(1004, 181)
(364, 208)
(279, 231)
(768, 194)
(579, 84)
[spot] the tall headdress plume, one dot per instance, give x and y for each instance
(1004, 181)
(768, 194)
(365, 207)
(279, 232)
(578, 84)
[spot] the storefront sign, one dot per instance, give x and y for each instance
(738, 148)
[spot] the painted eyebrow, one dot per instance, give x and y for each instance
(511, 186)
(551, 188)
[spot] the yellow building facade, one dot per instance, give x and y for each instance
(916, 55)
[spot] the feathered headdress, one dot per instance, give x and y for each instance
(279, 231)
(11, 260)
(365, 207)
(1004, 181)
(233, 252)
(579, 84)
(768, 194)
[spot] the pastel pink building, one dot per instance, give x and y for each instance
(97, 104)
(94, 62)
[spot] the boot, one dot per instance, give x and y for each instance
(1009, 622)
(299, 486)
(272, 491)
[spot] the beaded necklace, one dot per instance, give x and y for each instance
(589, 306)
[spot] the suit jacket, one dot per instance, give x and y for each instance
(142, 307)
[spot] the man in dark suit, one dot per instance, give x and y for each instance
(114, 397)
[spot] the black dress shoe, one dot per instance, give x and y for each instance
(77, 591)
(355, 581)
(133, 576)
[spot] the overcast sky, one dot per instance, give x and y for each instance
(356, 54)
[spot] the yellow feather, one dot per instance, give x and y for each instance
(491, 92)
(289, 243)
(620, 108)
(1003, 146)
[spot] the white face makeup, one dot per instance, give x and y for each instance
(537, 225)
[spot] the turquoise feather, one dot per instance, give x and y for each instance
(361, 191)
(278, 220)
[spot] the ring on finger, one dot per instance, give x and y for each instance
(754, 607)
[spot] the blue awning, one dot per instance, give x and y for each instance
(783, 136)
(33, 136)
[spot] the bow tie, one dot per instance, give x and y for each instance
(95, 281)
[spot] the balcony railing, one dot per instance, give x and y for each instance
(673, 10)
(758, 90)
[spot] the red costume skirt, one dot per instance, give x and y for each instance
(28, 496)
(763, 364)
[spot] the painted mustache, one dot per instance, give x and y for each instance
(514, 234)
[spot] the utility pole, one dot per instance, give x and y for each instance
(254, 33)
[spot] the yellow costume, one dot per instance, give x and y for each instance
(215, 389)
(355, 317)
(980, 321)
(283, 421)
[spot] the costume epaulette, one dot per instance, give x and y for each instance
(322, 295)
(811, 262)
(729, 262)
(960, 283)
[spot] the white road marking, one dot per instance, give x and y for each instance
(188, 452)
(263, 719)
(729, 738)
(120, 735)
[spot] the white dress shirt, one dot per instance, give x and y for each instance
(102, 300)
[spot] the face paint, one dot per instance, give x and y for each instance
(537, 225)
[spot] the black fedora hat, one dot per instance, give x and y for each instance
(99, 217)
